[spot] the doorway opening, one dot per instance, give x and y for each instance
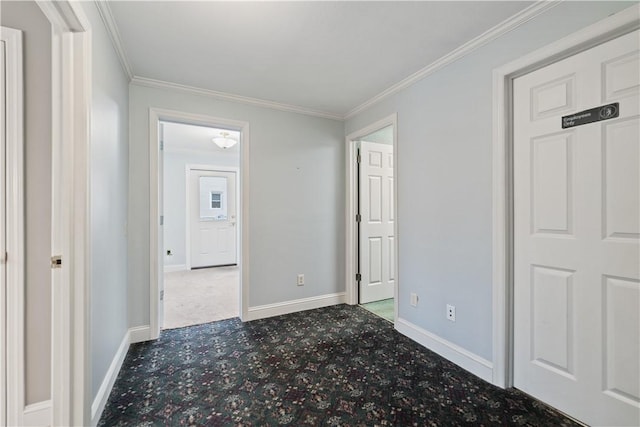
(160, 123)
(200, 231)
(372, 227)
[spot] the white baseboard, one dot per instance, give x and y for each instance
(139, 334)
(270, 310)
(456, 354)
(175, 267)
(38, 414)
(109, 379)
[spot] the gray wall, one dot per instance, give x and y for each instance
(382, 136)
(444, 178)
(28, 17)
(296, 198)
(109, 195)
(175, 217)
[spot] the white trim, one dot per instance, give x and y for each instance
(14, 227)
(175, 267)
(71, 234)
(109, 379)
(114, 34)
(351, 242)
(493, 33)
(223, 154)
(294, 306)
(620, 23)
(159, 84)
(139, 334)
(156, 258)
(188, 169)
(38, 414)
(450, 351)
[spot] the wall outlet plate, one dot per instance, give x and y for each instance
(300, 279)
(414, 300)
(451, 312)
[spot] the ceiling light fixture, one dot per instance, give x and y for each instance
(223, 141)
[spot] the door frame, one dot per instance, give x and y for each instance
(607, 29)
(11, 296)
(209, 168)
(351, 232)
(156, 261)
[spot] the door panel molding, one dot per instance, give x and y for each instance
(607, 29)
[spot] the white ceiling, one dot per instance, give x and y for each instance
(326, 56)
(182, 137)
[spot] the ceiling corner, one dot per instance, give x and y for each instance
(114, 34)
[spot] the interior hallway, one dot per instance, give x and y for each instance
(193, 297)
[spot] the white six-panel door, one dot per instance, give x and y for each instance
(377, 267)
(577, 230)
(212, 218)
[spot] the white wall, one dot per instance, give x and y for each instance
(444, 178)
(296, 198)
(175, 221)
(109, 195)
(28, 17)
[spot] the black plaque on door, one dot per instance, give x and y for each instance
(604, 112)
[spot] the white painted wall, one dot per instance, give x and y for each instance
(109, 191)
(175, 220)
(296, 198)
(444, 178)
(28, 17)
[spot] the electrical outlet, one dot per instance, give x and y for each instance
(451, 312)
(300, 279)
(414, 300)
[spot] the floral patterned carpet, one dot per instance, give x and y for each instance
(336, 366)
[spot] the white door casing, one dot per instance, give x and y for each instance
(576, 236)
(3, 247)
(377, 260)
(11, 229)
(212, 218)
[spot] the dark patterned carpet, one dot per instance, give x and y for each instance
(335, 366)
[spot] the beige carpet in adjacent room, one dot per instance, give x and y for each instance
(192, 297)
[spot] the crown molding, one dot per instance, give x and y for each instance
(493, 33)
(160, 84)
(114, 34)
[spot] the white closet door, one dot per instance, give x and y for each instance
(577, 230)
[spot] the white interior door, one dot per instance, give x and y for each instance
(577, 230)
(212, 218)
(377, 269)
(3, 247)
(160, 270)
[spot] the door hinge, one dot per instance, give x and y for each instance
(162, 295)
(358, 159)
(56, 261)
(358, 277)
(161, 145)
(161, 219)
(5, 258)
(358, 217)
